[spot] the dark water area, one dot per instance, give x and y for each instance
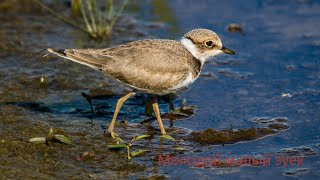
(263, 102)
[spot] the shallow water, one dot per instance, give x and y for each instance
(274, 74)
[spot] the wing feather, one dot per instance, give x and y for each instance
(153, 66)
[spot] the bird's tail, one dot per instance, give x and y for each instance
(80, 56)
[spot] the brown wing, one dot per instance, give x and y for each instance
(149, 65)
(86, 57)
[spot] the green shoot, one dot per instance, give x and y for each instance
(50, 138)
(128, 146)
(97, 23)
(166, 136)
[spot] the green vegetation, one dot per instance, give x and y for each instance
(51, 137)
(96, 22)
(122, 144)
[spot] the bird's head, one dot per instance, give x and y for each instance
(204, 43)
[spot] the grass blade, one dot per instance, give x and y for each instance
(90, 4)
(84, 16)
(139, 152)
(38, 140)
(61, 17)
(141, 137)
(168, 137)
(114, 19)
(117, 146)
(179, 148)
(62, 138)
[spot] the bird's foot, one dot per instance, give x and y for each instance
(112, 134)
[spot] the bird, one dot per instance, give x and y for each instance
(153, 66)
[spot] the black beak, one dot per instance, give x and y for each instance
(227, 51)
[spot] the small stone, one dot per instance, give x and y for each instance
(233, 27)
(286, 95)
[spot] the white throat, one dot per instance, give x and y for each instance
(187, 43)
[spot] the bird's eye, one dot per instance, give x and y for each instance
(208, 43)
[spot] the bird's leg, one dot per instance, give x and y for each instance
(168, 99)
(88, 98)
(119, 104)
(157, 112)
(171, 106)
